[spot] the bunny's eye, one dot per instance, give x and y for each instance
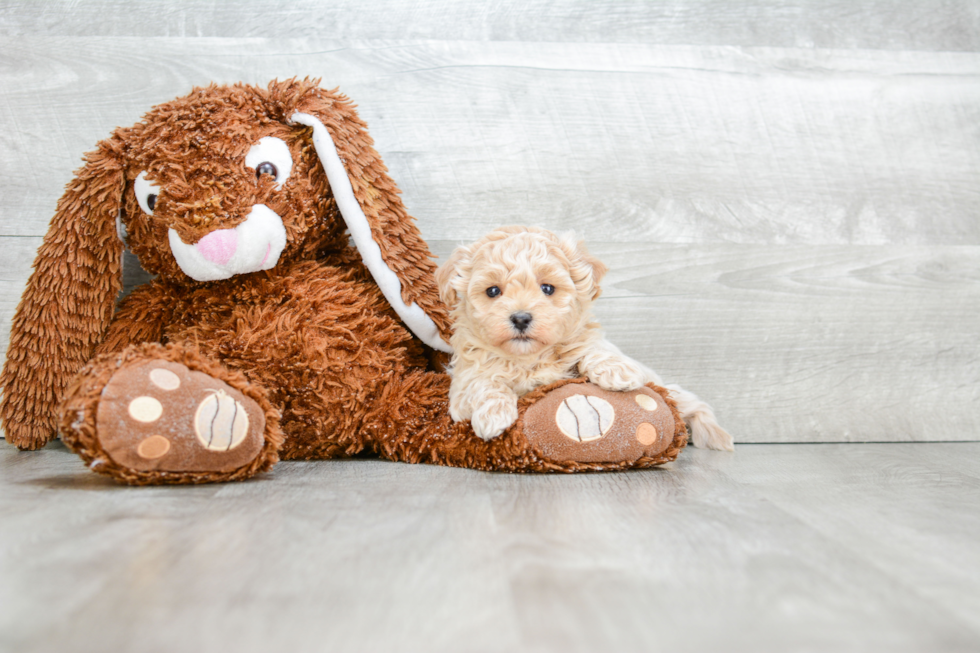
(146, 193)
(266, 168)
(270, 156)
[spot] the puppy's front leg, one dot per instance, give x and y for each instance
(490, 408)
(610, 370)
(494, 414)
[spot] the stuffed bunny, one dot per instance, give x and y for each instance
(294, 311)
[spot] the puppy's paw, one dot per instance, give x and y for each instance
(616, 375)
(706, 433)
(458, 411)
(494, 416)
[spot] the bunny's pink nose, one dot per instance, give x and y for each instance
(218, 246)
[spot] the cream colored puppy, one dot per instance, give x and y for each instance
(521, 299)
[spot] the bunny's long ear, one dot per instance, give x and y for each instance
(68, 301)
(385, 235)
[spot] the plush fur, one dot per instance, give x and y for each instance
(341, 347)
(522, 310)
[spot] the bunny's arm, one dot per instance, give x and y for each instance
(141, 317)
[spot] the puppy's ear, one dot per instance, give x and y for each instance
(69, 299)
(448, 276)
(387, 238)
(586, 270)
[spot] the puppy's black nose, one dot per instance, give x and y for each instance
(521, 321)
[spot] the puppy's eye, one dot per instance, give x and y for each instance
(493, 291)
(151, 201)
(266, 168)
(547, 289)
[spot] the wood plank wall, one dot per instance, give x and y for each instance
(787, 191)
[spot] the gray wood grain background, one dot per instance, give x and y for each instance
(787, 192)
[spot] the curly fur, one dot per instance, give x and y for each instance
(550, 282)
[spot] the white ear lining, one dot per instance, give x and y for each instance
(360, 230)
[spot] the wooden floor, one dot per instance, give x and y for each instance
(786, 194)
(816, 547)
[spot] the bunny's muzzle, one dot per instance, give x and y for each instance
(253, 245)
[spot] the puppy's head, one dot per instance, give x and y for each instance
(521, 289)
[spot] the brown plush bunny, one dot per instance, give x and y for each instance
(265, 333)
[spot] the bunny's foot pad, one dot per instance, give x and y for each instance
(159, 421)
(581, 422)
(159, 415)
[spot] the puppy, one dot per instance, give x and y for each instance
(521, 299)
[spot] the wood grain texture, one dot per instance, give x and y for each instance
(877, 24)
(622, 142)
(786, 192)
(772, 548)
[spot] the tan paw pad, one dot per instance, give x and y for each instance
(145, 409)
(164, 379)
(646, 402)
(646, 433)
(154, 446)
